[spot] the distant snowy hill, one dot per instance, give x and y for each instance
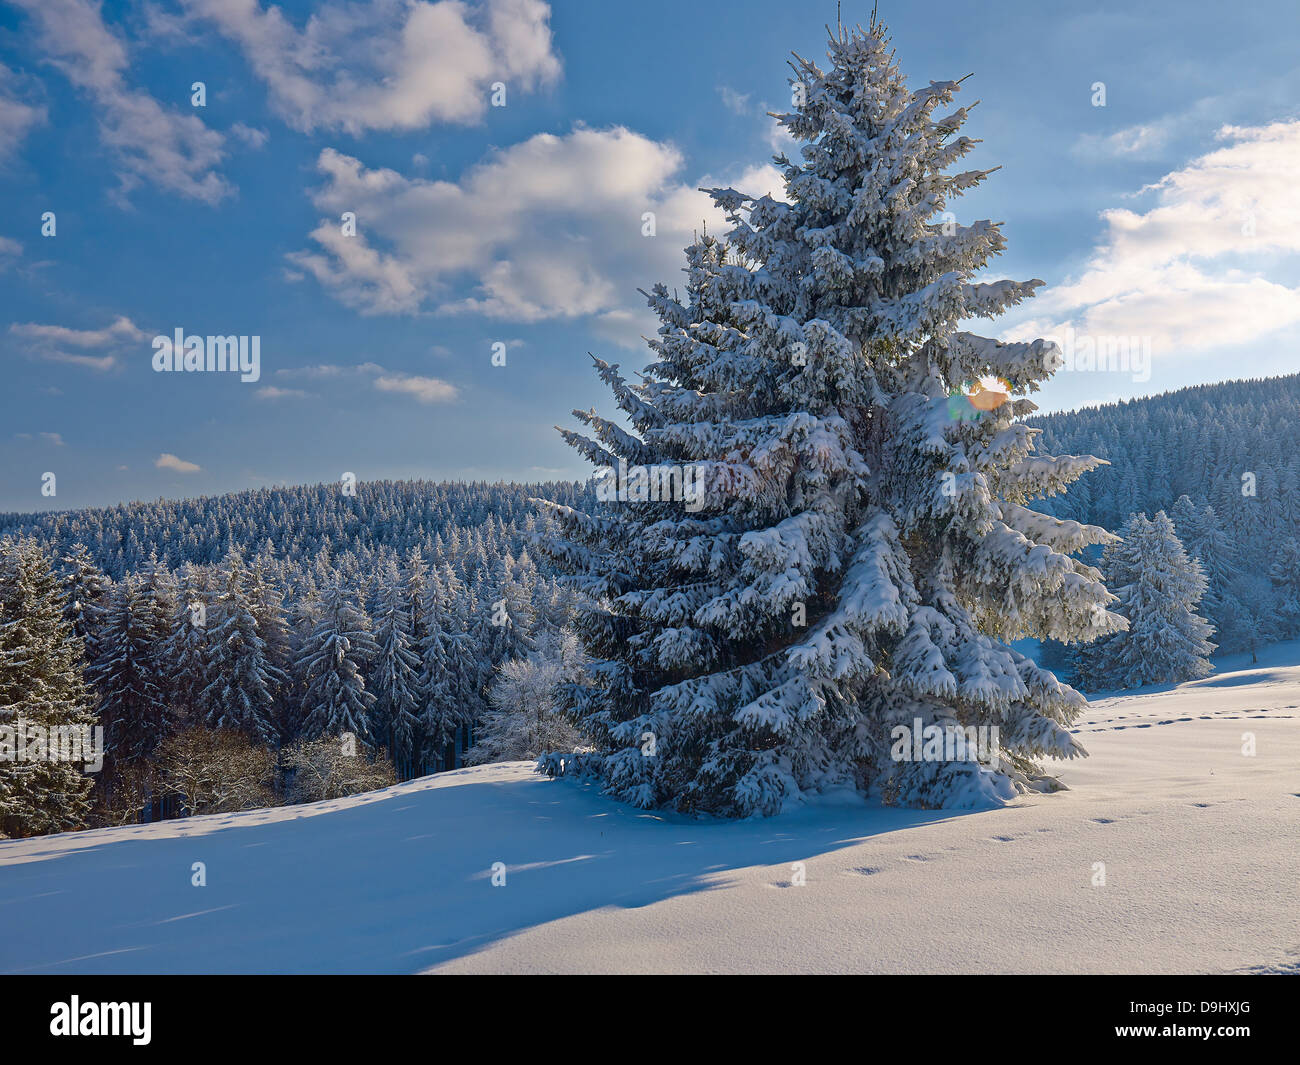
(1200, 844)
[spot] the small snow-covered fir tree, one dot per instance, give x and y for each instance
(1159, 588)
(41, 687)
(332, 663)
(860, 557)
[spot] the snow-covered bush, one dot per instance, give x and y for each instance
(525, 699)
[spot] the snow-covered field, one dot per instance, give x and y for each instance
(1200, 843)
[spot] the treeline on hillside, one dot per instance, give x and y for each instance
(370, 656)
(297, 524)
(1223, 461)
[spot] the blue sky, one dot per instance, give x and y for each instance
(1169, 213)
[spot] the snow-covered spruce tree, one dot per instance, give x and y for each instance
(332, 664)
(186, 649)
(395, 676)
(1159, 588)
(860, 558)
(240, 694)
(511, 619)
(130, 674)
(266, 600)
(86, 590)
(1204, 539)
(41, 687)
(450, 678)
(1285, 576)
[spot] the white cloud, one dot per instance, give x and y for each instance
(1199, 268)
(424, 389)
(271, 392)
(737, 103)
(10, 250)
(168, 461)
(149, 143)
(17, 115)
(319, 370)
(1160, 135)
(254, 138)
(548, 228)
(391, 64)
(1141, 141)
(97, 349)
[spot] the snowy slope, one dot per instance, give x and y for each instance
(1201, 846)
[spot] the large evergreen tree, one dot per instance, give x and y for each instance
(861, 556)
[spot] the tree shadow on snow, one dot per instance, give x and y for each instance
(399, 883)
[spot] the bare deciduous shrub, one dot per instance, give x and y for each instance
(330, 768)
(216, 770)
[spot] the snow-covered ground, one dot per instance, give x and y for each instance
(1201, 847)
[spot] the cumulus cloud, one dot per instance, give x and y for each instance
(1199, 268)
(149, 143)
(98, 349)
(168, 461)
(550, 228)
(390, 64)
